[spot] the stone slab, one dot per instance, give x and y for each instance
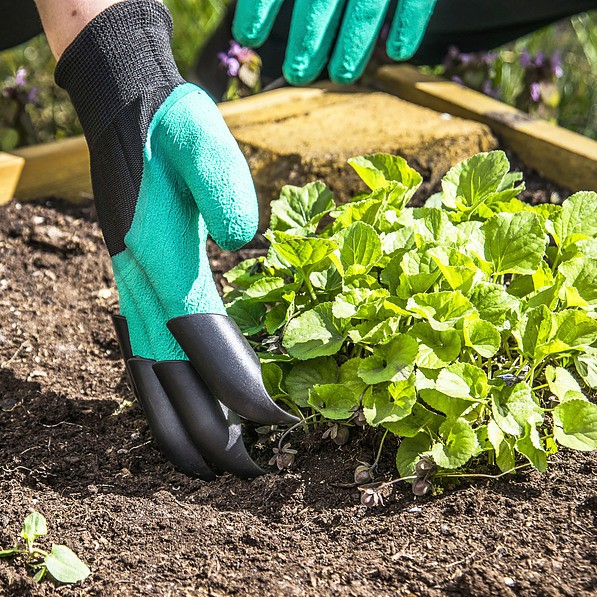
(295, 136)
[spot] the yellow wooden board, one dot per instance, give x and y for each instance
(10, 170)
(557, 153)
(58, 169)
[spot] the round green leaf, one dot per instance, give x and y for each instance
(380, 169)
(390, 405)
(300, 251)
(306, 374)
(390, 362)
(514, 242)
(248, 315)
(482, 336)
(575, 424)
(436, 348)
(359, 246)
(459, 445)
(333, 401)
(299, 209)
(313, 334)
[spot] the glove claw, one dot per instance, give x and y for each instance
(164, 423)
(185, 420)
(214, 429)
(228, 366)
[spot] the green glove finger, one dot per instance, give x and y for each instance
(312, 31)
(361, 24)
(253, 20)
(408, 27)
(200, 147)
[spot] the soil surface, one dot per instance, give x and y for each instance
(73, 447)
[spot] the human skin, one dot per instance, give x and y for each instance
(63, 20)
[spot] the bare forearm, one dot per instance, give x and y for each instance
(63, 19)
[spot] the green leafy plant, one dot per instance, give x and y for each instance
(61, 563)
(467, 328)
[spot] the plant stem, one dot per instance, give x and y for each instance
(378, 456)
(295, 426)
(309, 286)
(38, 551)
(516, 468)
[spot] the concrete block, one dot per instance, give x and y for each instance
(295, 136)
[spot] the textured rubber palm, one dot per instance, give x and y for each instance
(195, 182)
(315, 25)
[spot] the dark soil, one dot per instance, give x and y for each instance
(73, 448)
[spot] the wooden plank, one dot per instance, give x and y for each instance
(11, 167)
(558, 154)
(60, 169)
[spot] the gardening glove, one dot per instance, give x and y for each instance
(314, 27)
(166, 172)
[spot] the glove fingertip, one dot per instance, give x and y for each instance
(252, 38)
(297, 75)
(343, 74)
(238, 236)
(400, 51)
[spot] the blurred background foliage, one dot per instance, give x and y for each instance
(551, 73)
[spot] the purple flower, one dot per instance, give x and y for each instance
(231, 64)
(524, 59)
(535, 91)
(539, 59)
(234, 49)
(236, 56)
(21, 78)
(33, 96)
(239, 52)
(466, 58)
(233, 67)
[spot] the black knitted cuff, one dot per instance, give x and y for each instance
(122, 53)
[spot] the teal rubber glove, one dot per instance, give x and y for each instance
(314, 27)
(195, 182)
(167, 173)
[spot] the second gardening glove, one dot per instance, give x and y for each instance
(166, 172)
(354, 24)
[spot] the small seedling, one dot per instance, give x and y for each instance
(283, 457)
(337, 433)
(61, 563)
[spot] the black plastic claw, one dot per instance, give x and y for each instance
(227, 364)
(215, 430)
(165, 425)
(122, 335)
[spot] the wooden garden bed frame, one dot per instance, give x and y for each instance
(62, 168)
